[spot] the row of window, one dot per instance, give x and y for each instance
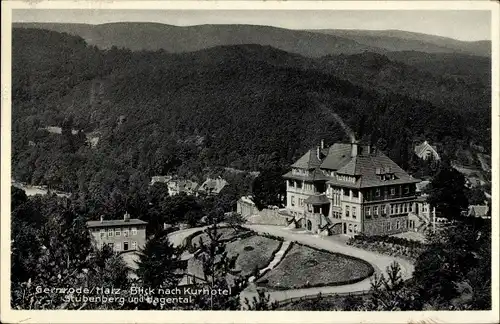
(346, 178)
(117, 246)
(337, 215)
(392, 209)
(295, 184)
(117, 232)
(377, 193)
(298, 185)
(300, 171)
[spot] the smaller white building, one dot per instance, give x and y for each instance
(426, 151)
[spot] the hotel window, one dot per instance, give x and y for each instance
(355, 193)
(118, 232)
(299, 184)
(407, 190)
(389, 226)
(292, 200)
(397, 225)
(377, 192)
(368, 212)
(110, 232)
(134, 245)
(125, 232)
(350, 228)
(392, 210)
(375, 211)
(118, 246)
(102, 233)
(134, 230)
(354, 212)
(346, 192)
(347, 211)
(355, 228)
(290, 183)
(393, 191)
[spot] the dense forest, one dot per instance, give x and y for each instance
(244, 107)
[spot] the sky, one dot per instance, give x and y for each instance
(467, 25)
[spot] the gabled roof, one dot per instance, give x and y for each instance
(365, 167)
(422, 185)
(351, 168)
(308, 161)
(213, 185)
(478, 210)
(185, 185)
(420, 149)
(338, 155)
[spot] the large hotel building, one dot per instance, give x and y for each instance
(350, 189)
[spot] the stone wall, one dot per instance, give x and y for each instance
(267, 216)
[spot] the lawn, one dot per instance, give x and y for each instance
(253, 252)
(226, 234)
(305, 267)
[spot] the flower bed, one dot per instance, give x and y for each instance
(305, 266)
(254, 252)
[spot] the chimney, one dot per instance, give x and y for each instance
(126, 217)
(165, 227)
(322, 144)
(354, 148)
(318, 152)
(102, 219)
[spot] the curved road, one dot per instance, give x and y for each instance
(379, 261)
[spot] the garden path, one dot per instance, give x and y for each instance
(379, 261)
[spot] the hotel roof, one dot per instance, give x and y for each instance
(116, 223)
(367, 167)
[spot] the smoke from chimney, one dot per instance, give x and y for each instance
(339, 120)
(322, 144)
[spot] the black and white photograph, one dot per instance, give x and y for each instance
(322, 162)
